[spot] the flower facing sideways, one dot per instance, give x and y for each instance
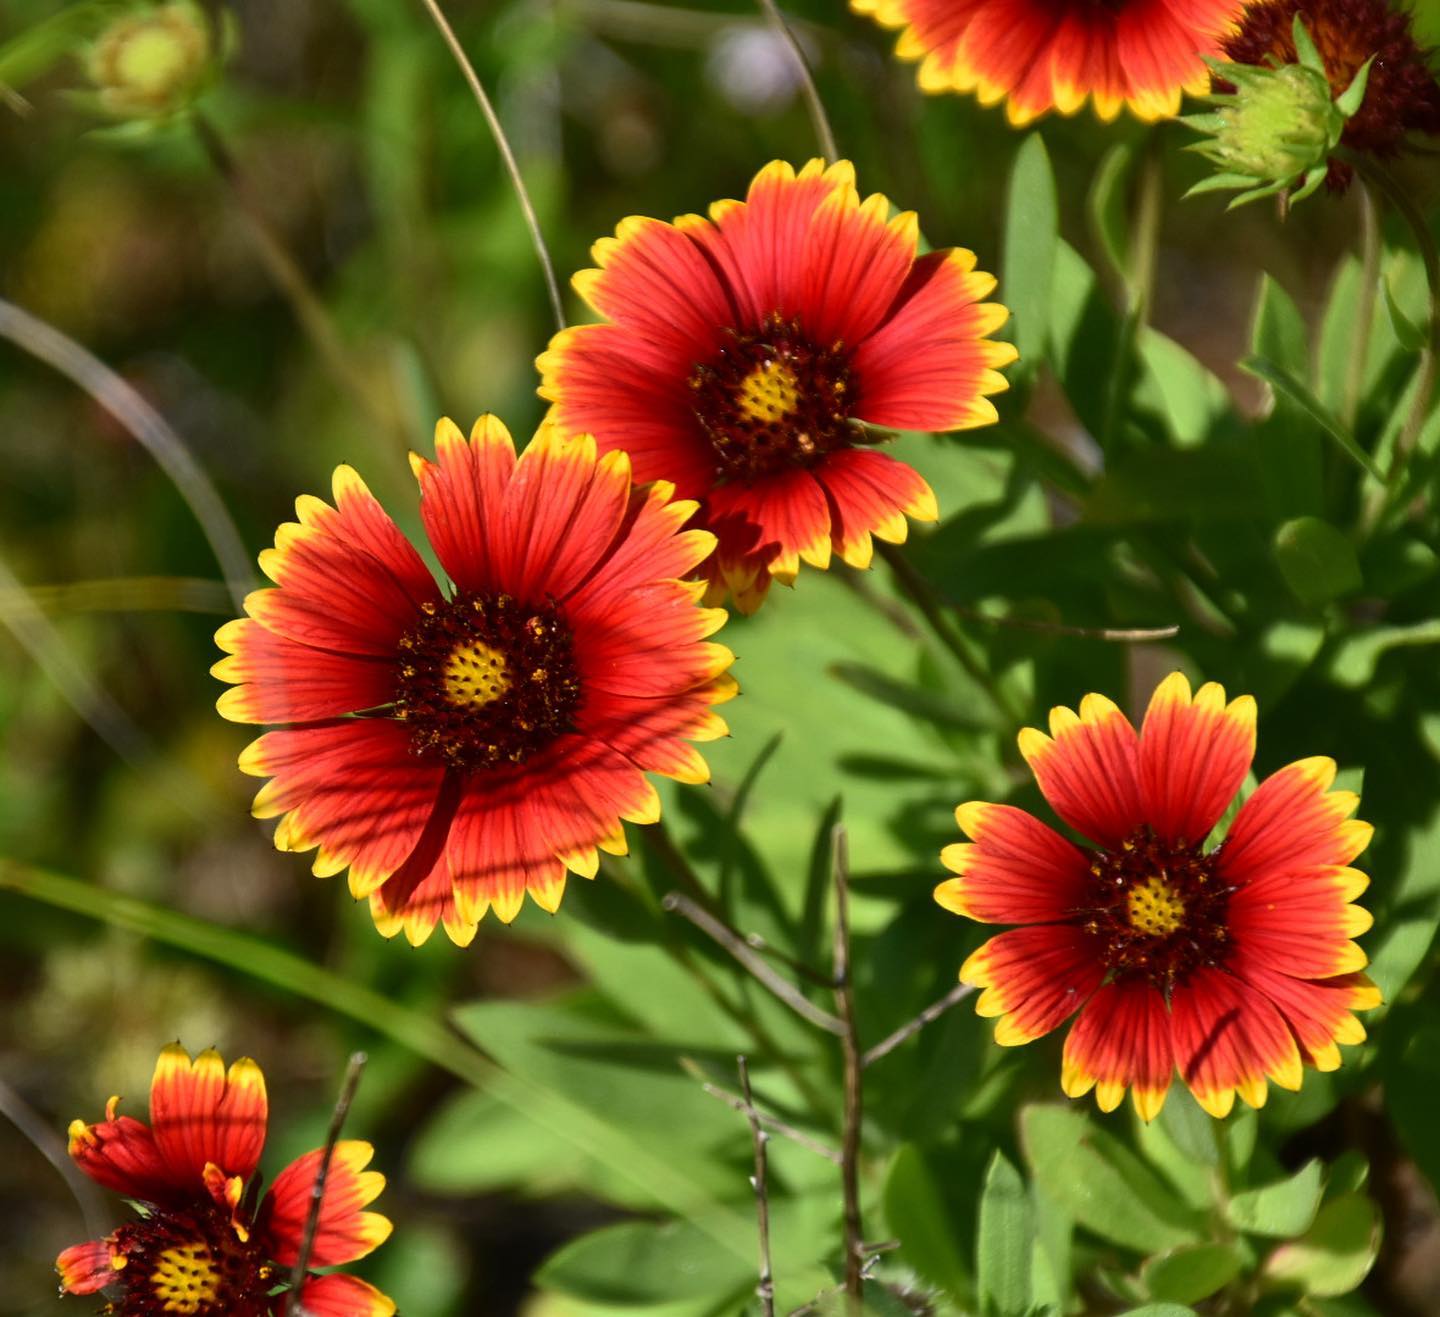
(457, 748)
(203, 1245)
(1233, 965)
(1043, 55)
(746, 354)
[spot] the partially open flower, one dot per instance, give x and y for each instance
(206, 1243)
(1274, 132)
(1402, 95)
(153, 62)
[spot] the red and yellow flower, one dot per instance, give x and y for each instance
(455, 749)
(203, 1245)
(744, 356)
(1234, 965)
(1043, 55)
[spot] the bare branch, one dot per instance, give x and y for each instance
(351, 1082)
(770, 1122)
(932, 1012)
(507, 157)
(759, 968)
(766, 1288)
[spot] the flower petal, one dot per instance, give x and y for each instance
(88, 1268)
(201, 1113)
(120, 1154)
(1120, 1041)
(1227, 1040)
(344, 1232)
(870, 493)
(930, 364)
(339, 1295)
(1300, 922)
(1318, 1012)
(1293, 821)
(1087, 768)
(784, 518)
(1194, 755)
(1015, 870)
(1034, 978)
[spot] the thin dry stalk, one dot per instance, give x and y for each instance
(507, 156)
(908, 1030)
(771, 1123)
(351, 1082)
(819, 120)
(766, 1288)
(757, 965)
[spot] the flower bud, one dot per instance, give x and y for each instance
(153, 62)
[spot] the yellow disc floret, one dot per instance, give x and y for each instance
(1154, 909)
(186, 1279)
(768, 393)
(475, 675)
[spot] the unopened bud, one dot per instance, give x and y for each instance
(153, 62)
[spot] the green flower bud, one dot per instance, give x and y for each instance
(1276, 130)
(153, 62)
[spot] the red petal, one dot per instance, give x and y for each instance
(345, 1232)
(655, 280)
(120, 1153)
(1227, 1040)
(353, 789)
(200, 1113)
(1120, 1041)
(856, 260)
(1193, 757)
(1015, 871)
(343, 1296)
(929, 366)
(786, 517)
(279, 681)
(460, 501)
(1034, 977)
(1293, 821)
(1006, 52)
(1300, 922)
(1318, 1013)
(870, 493)
(88, 1268)
(1088, 771)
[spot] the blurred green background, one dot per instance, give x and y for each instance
(1139, 479)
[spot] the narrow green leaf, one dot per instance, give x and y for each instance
(1189, 1128)
(1187, 1275)
(1031, 232)
(930, 706)
(1335, 1254)
(1102, 1183)
(917, 1217)
(1160, 1310)
(1105, 206)
(644, 1264)
(1287, 385)
(1317, 561)
(1280, 1210)
(1410, 335)
(1005, 1244)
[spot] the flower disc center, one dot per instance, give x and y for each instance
(189, 1261)
(485, 680)
(771, 400)
(185, 1278)
(1158, 911)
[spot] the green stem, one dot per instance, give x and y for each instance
(1365, 313)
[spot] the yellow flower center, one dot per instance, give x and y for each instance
(475, 675)
(1154, 909)
(769, 393)
(186, 1280)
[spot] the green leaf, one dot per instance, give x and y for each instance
(38, 47)
(1280, 1210)
(1160, 1310)
(1317, 561)
(1335, 1254)
(927, 705)
(1187, 1275)
(1286, 385)
(1031, 234)
(1353, 662)
(1190, 1129)
(1164, 484)
(644, 1264)
(1410, 335)
(1105, 206)
(1103, 1185)
(1287, 447)
(1005, 1243)
(1279, 330)
(1186, 395)
(916, 1213)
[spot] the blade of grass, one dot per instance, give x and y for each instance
(427, 1037)
(1280, 379)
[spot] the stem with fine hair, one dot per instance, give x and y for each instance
(766, 1288)
(351, 1082)
(819, 120)
(46, 343)
(507, 157)
(853, 1066)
